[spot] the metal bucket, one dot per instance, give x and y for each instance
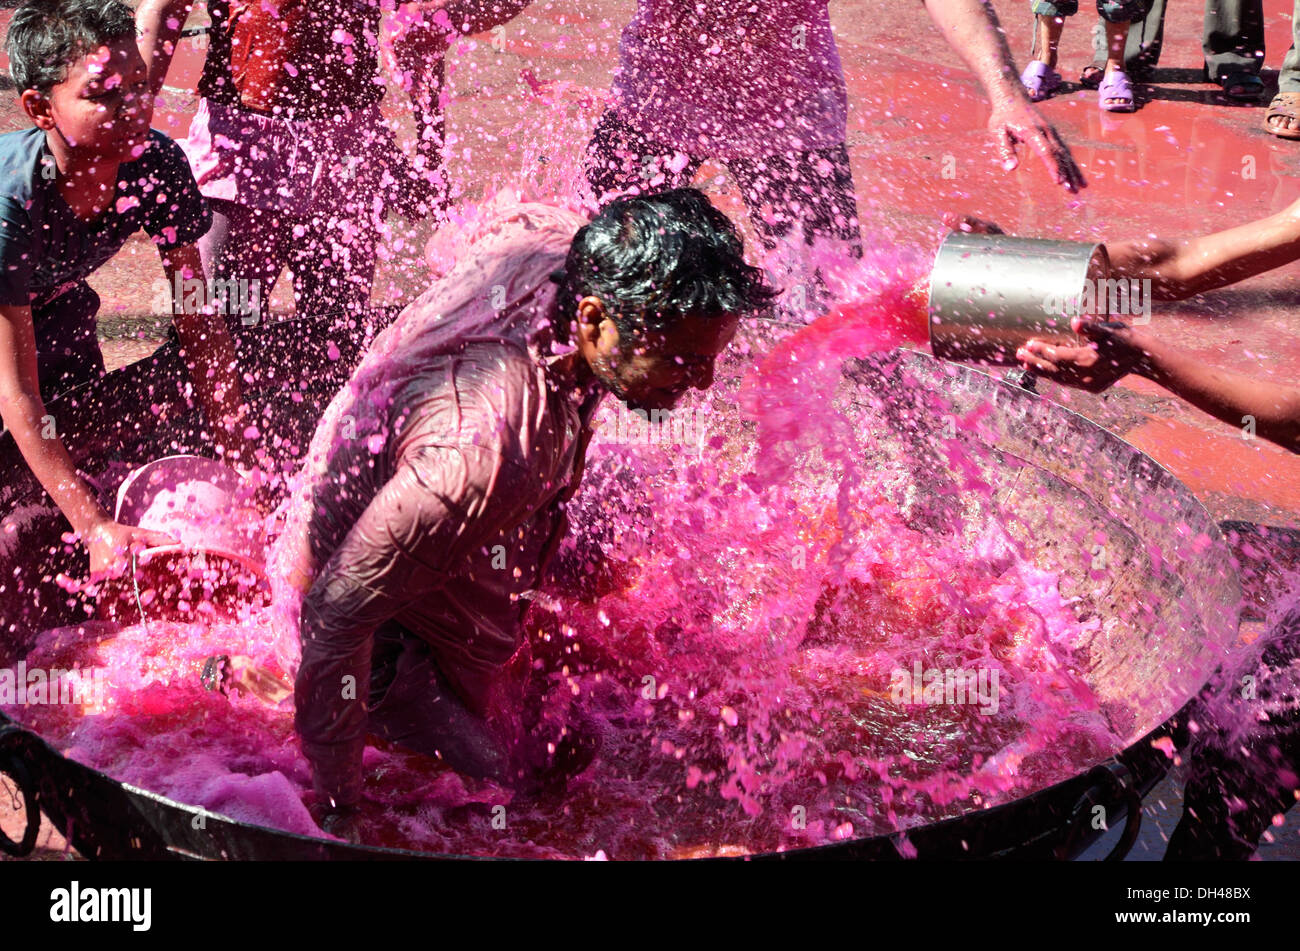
(216, 568)
(989, 293)
(1171, 614)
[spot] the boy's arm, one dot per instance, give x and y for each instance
(208, 351)
(1115, 351)
(1181, 268)
(23, 413)
(972, 30)
(159, 24)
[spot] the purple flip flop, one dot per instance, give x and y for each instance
(1116, 85)
(1040, 80)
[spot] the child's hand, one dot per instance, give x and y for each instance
(112, 544)
(969, 224)
(1110, 355)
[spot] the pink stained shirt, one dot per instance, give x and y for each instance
(732, 78)
(433, 485)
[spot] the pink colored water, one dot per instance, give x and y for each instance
(734, 629)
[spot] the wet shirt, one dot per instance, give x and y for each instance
(733, 78)
(434, 484)
(311, 59)
(44, 246)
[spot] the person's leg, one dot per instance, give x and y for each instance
(1146, 37)
(412, 705)
(67, 342)
(1233, 44)
(620, 158)
(1288, 79)
(1049, 24)
(245, 244)
(333, 264)
(334, 250)
(1283, 115)
(813, 190)
(1235, 789)
(1142, 46)
(1040, 77)
(1115, 94)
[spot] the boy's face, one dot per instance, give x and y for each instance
(103, 108)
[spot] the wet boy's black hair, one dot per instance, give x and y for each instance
(47, 36)
(655, 259)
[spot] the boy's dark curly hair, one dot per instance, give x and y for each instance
(47, 36)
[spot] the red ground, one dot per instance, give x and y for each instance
(1188, 161)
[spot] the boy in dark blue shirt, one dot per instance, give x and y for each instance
(73, 189)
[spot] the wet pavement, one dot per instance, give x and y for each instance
(1188, 161)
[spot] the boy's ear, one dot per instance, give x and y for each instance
(591, 311)
(595, 327)
(37, 106)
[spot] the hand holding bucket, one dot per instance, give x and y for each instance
(991, 293)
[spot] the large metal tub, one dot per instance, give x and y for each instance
(1171, 588)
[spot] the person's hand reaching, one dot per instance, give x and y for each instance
(969, 224)
(1016, 122)
(112, 544)
(1109, 354)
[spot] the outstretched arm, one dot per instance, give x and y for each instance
(1114, 351)
(35, 432)
(972, 30)
(1179, 268)
(158, 25)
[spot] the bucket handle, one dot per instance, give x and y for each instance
(1113, 775)
(13, 766)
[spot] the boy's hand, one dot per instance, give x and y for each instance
(112, 544)
(1110, 355)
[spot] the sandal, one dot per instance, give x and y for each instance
(1091, 76)
(1285, 105)
(1249, 86)
(1040, 80)
(1116, 85)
